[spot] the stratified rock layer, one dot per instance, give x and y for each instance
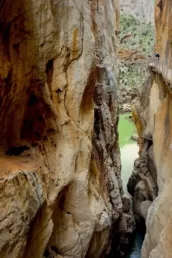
(60, 169)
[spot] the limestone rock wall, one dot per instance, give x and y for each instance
(142, 184)
(156, 118)
(158, 237)
(163, 24)
(59, 159)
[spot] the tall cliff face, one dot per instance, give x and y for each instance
(158, 238)
(155, 118)
(163, 24)
(60, 169)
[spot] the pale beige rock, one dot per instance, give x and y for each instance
(60, 168)
(144, 207)
(158, 239)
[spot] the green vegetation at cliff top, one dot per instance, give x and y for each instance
(133, 75)
(141, 39)
(142, 34)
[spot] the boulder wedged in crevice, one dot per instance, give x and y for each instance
(123, 230)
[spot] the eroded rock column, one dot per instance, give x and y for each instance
(59, 158)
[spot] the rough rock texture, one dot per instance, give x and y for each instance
(126, 98)
(156, 120)
(142, 187)
(142, 184)
(123, 231)
(60, 169)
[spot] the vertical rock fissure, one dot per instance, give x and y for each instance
(60, 180)
(135, 50)
(150, 183)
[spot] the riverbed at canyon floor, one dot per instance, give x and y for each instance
(129, 152)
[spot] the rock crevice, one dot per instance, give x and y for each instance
(59, 155)
(153, 120)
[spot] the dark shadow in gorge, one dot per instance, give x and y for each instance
(137, 241)
(124, 245)
(143, 189)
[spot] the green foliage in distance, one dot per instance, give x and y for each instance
(142, 39)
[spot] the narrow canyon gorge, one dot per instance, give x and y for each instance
(68, 69)
(150, 183)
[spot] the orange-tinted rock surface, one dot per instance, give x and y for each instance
(59, 159)
(156, 115)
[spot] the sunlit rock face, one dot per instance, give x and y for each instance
(60, 168)
(156, 120)
(158, 238)
(163, 24)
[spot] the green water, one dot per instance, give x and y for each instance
(129, 152)
(129, 148)
(126, 130)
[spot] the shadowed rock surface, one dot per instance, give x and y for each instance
(153, 120)
(61, 191)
